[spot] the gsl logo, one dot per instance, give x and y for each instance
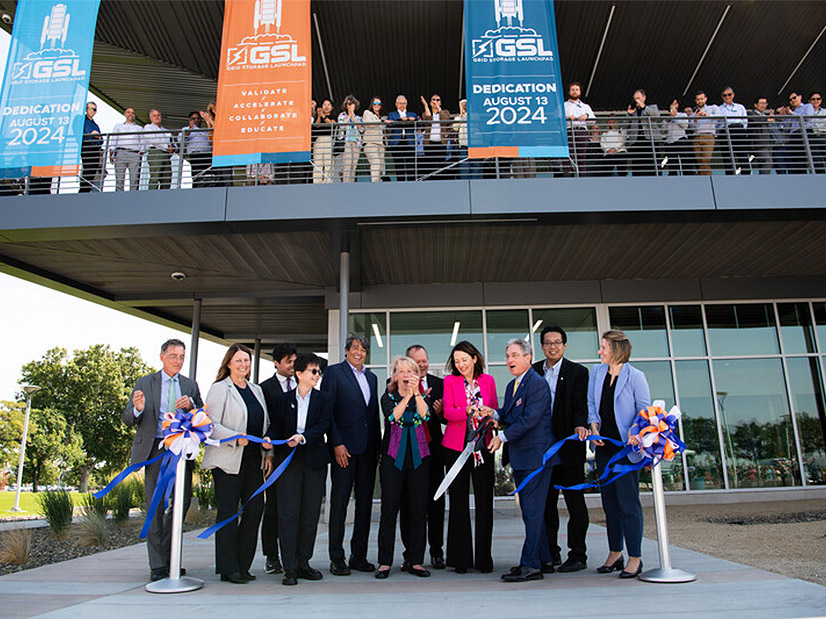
(49, 69)
(511, 47)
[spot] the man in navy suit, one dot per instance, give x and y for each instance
(526, 420)
(402, 140)
(283, 357)
(354, 442)
(568, 383)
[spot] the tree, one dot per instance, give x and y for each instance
(90, 390)
(51, 447)
(11, 431)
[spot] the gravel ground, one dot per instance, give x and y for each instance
(784, 537)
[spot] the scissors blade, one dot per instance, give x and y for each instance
(454, 471)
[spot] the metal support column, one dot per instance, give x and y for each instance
(196, 335)
(344, 299)
(256, 360)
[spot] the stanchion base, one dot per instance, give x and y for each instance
(174, 586)
(667, 575)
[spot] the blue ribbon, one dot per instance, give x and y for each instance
(123, 475)
(267, 483)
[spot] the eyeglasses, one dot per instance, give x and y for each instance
(728, 94)
(93, 108)
(553, 343)
(794, 97)
(814, 98)
(435, 98)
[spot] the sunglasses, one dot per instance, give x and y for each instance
(377, 103)
(315, 371)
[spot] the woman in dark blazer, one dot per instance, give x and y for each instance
(236, 406)
(404, 467)
(616, 393)
(301, 415)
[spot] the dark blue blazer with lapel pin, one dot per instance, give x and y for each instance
(354, 423)
(527, 416)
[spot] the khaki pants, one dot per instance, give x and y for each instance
(323, 160)
(703, 149)
(349, 158)
(375, 155)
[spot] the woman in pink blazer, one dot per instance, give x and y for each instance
(467, 387)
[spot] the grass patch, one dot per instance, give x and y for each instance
(28, 502)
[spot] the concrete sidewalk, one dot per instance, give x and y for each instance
(111, 585)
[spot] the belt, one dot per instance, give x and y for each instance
(121, 148)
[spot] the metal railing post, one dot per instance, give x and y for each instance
(653, 145)
(809, 159)
(26, 183)
(102, 165)
(730, 147)
(181, 157)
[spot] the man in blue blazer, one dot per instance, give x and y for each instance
(353, 440)
(402, 140)
(526, 420)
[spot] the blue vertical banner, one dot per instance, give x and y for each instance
(513, 79)
(43, 100)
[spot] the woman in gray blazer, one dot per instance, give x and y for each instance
(236, 406)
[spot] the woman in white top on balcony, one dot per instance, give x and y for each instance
(350, 133)
(678, 150)
(373, 139)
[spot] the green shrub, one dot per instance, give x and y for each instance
(94, 506)
(135, 483)
(122, 502)
(57, 507)
(93, 531)
(205, 493)
(15, 546)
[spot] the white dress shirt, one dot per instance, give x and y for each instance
(736, 110)
(130, 143)
(303, 408)
(156, 137)
(361, 377)
(577, 109)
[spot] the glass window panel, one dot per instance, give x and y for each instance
(658, 375)
(644, 326)
(757, 431)
(705, 467)
(796, 328)
(580, 325)
(502, 326)
(502, 376)
(742, 329)
(809, 409)
(503, 481)
(820, 321)
(434, 331)
(687, 331)
(372, 325)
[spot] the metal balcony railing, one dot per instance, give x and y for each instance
(610, 145)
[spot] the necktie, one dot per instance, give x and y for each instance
(170, 403)
(515, 386)
(421, 387)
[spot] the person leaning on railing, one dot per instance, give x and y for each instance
(402, 140)
(704, 129)
(158, 145)
(438, 134)
(90, 153)
(735, 153)
(677, 152)
(761, 135)
(349, 132)
(817, 137)
(373, 138)
(196, 149)
(125, 151)
(323, 132)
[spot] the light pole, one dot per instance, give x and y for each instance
(29, 390)
(721, 398)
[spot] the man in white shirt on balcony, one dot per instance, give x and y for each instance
(705, 130)
(818, 135)
(735, 122)
(125, 151)
(157, 143)
(579, 116)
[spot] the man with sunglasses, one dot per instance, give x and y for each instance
(197, 150)
(90, 154)
(817, 138)
(734, 117)
(436, 137)
(797, 162)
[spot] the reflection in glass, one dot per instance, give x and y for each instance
(705, 468)
(796, 328)
(820, 320)
(580, 324)
(741, 329)
(504, 325)
(372, 326)
(757, 430)
(435, 331)
(658, 375)
(687, 331)
(644, 326)
(503, 476)
(809, 409)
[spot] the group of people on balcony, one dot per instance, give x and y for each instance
(430, 424)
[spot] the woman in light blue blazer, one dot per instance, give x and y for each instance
(616, 393)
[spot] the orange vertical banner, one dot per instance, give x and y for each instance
(263, 103)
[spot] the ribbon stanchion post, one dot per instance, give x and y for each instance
(665, 573)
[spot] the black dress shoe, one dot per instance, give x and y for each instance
(461, 571)
(309, 573)
(572, 565)
(419, 572)
(338, 567)
(158, 573)
(557, 559)
(437, 562)
(405, 567)
(523, 573)
(248, 576)
(183, 571)
(626, 575)
(233, 578)
(273, 565)
(610, 568)
(383, 574)
(548, 568)
(289, 579)
(362, 566)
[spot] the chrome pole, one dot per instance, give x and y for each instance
(29, 390)
(665, 573)
(175, 583)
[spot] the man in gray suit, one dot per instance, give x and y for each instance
(644, 136)
(154, 395)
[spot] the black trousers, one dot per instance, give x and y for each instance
(90, 155)
(435, 158)
(577, 512)
(300, 489)
(641, 158)
(404, 157)
(235, 543)
(361, 474)
(159, 539)
(739, 148)
(459, 535)
(413, 486)
(435, 509)
(269, 524)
